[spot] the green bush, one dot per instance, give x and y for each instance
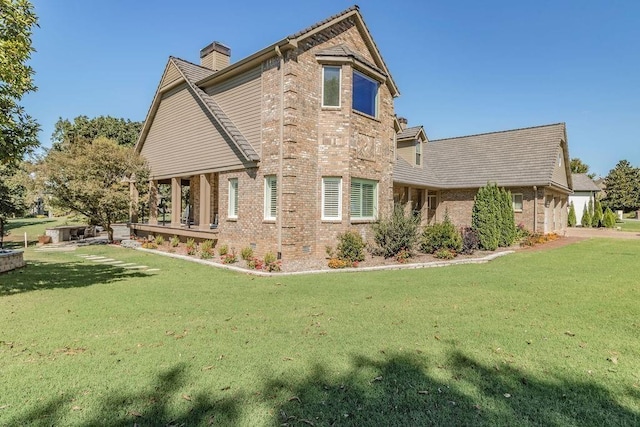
(443, 235)
(507, 225)
(586, 217)
(571, 220)
(206, 249)
(609, 219)
(351, 246)
(596, 219)
(271, 262)
(224, 249)
(395, 233)
(443, 253)
(191, 247)
(486, 217)
(246, 253)
(159, 240)
(174, 242)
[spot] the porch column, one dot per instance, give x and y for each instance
(205, 201)
(153, 202)
(133, 201)
(176, 201)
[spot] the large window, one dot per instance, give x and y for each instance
(331, 86)
(364, 199)
(517, 202)
(332, 198)
(270, 197)
(233, 198)
(365, 94)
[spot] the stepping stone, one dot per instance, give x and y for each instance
(127, 264)
(153, 269)
(114, 262)
(103, 260)
(93, 257)
(137, 267)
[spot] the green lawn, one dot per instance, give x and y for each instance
(534, 338)
(34, 227)
(629, 225)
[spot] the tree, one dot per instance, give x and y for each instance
(486, 216)
(11, 198)
(623, 187)
(571, 220)
(83, 129)
(609, 219)
(577, 166)
(507, 224)
(18, 130)
(93, 180)
(596, 219)
(586, 217)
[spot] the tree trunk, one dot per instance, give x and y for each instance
(109, 233)
(1, 232)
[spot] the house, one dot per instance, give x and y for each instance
(445, 175)
(584, 190)
(285, 149)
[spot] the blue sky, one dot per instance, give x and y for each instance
(463, 67)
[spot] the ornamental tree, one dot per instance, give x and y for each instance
(571, 220)
(623, 187)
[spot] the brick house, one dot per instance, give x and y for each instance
(287, 148)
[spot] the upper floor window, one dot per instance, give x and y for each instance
(233, 198)
(364, 199)
(331, 86)
(270, 197)
(418, 152)
(365, 94)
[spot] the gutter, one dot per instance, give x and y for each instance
(280, 154)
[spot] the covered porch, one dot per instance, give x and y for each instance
(419, 200)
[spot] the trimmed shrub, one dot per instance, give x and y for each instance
(255, 264)
(586, 217)
(443, 235)
(444, 254)
(596, 219)
(159, 240)
(271, 262)
(246, 253)
(351, 246)
(206, 249)
(571, 220)
(396, 233)
(486, 217)
(507, 226)
(470, 242)
(191, 247)
(174, 242)
(609, 219)
(224, 249)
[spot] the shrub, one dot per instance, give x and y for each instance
(337, 263)
(441, 235)
(396, 233)
(507, 225)
(403, 256)
(571, 220)
(351, 246)
(191, 247)
(159, 240)
(229, 258)
(246, 253)
(486, 217)
(271, 263)
(224, 249)
(255, 264)
(522, 232)
(206, 249)
(470, 242)
(586, 217)
(174, 242)
(150, 244)
(444, 253)
(596, 219)
(609, 219)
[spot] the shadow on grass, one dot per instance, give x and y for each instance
(394, 391)
(13, 224)
(43, 275)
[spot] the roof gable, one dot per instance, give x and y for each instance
(582, 182)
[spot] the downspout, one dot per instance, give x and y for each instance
(280, 154)
(535, 208)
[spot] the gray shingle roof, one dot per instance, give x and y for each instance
(192, 73)
(404, 173)
(345, 52)
(324, 21)
(409, 133)
(520, 157)
(582, 182)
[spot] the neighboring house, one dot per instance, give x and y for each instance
(287, 148)
(584, 189)
(532, 163)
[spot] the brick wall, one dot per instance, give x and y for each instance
(11, 260)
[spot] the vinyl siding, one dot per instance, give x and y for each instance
(184, 139)
(171, 75)
(560, 172)
(240, 98)
(407, 150)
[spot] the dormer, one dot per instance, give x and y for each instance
(410, 143)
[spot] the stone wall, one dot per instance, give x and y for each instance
(11, 260)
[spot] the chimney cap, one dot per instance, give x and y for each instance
(403, 120)
(217, 47)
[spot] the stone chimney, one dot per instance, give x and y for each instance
(403, 123)
(216, 56)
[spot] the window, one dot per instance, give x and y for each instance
(364, 199)
(418, 152)
(517, 202)
(270, 197)
(332, 198)
(233, 198)
(331, 86)
(365, 94)
(432, 202)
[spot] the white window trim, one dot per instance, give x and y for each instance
(375, 200)
(513, 202)
(270, 185)
(418, 153)
(233, 198)
(375, 107)
(339, 68)
(339, 214)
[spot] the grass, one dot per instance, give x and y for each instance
(534, 338)
(629, 225)
(34, 227)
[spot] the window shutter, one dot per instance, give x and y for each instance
(233, 197)
(331, 198)
(356, 196)
(367, 199)
(274, 197)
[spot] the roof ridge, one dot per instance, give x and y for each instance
(499, 131)
(324, 21)
(190, 63)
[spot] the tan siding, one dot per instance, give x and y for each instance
(559, 171)
(184, 139)
(171, 75)
(407, 151)
(240, 98)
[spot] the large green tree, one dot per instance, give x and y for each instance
(93, 180)
(578, 166)
(18, 130)
(11, 198)
(84, 129)
(623, 187)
